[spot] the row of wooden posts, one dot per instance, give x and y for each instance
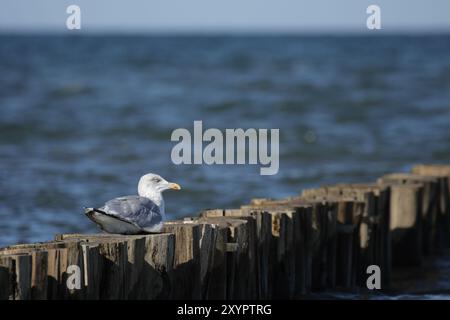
(323, 239)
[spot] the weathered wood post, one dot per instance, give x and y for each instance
(17, 273)
(430, 206)
(42, 269)
(281, 245)
(185, 278)
(140, 272)
(406, 224)
(6, 265)
(213, 275)
(241, 256)
(313, 243)
(442, 173)
(371, 223)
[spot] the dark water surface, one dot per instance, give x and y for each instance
(82, 118)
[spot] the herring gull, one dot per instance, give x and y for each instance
(143, 213)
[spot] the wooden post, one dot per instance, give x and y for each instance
(19, 267)
(280, 246)
(144, 267)
(242, 260)
(39, 258)
(305, 261)
(430, 205)
(299, 243)
(185, 278)
(260, 246)
(371, 220)
(6, 277)
(263, 253)
(442, 172)
(39, 275)
(251, 254)
(383, 255)
(93, 269)
(347, 239)
(320, 234)
(213, 256)
(405, 224)
(283, 231)
(214, 260)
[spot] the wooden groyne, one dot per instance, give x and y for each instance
(323, 239)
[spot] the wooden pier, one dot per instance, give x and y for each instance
(323, 239)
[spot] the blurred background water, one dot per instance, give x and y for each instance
(83, 117)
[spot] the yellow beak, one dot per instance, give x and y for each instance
(174, 186)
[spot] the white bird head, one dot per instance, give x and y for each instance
(151, 185)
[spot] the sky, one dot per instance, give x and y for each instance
(224, 15)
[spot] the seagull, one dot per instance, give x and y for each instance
(139, 214)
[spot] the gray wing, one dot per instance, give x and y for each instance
(138, 210)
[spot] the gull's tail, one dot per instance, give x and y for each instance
(90, 211)
(112, 223)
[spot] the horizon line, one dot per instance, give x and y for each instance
(226, 32)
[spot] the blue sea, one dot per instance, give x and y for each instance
(83, 117)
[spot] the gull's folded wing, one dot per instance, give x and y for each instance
(128, 215)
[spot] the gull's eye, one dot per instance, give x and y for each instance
(157, 180)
